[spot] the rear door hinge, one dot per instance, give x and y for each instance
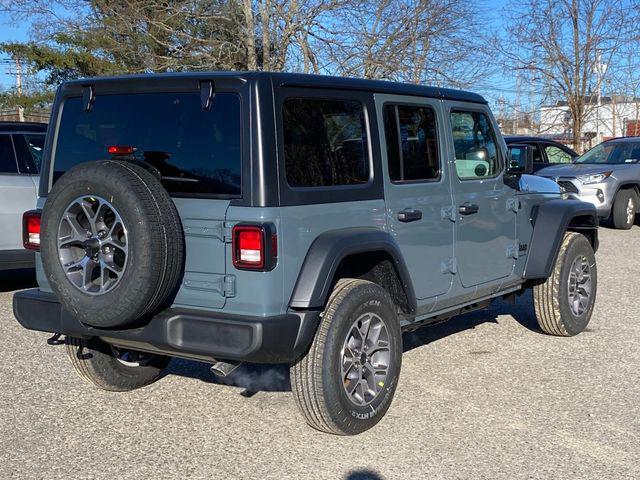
(226, 232)
(449, 265)
(513, 204)
(228, 286)
(513, 250)
(207, 228)
(448, 213)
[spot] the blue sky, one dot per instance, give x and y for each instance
(491, 9)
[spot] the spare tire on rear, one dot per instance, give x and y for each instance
(112, 243)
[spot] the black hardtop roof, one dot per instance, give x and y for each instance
(22, 126)
(296, 80)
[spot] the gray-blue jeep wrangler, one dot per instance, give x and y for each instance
(281, 218)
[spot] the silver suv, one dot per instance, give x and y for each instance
(608, 176)
(21, 146)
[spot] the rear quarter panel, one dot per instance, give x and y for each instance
(268, 293)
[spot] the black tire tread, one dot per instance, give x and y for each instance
(172, 258)
(95, 370)
(619, 211)
(546, 296)
(307, 371)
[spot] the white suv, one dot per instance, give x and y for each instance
(21, 146)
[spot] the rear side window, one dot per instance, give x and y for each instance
(557, 155)
(412, 143)
(29, 148)
(196, 151)
(325, 142)
(7, 157)
(475, 145)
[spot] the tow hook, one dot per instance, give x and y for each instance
(223, 369)
(55, 339)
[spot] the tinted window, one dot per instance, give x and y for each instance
(325, 142)
(412, 143)
(196, 151)
(475, 145)
(29, 148)
(557, 155)
(7, 157)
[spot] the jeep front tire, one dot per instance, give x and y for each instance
(111, 368)
(345, 383)
(564, 302)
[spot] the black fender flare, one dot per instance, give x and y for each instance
(552, 220)
(315, 279)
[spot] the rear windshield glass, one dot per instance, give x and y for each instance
(196, 151)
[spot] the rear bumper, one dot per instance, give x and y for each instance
(193, 334)
(15, 259)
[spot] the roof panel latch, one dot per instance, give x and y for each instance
(88, 97)
(206, 94)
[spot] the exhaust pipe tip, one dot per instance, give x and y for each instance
(223, 369)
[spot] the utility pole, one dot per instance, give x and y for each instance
(18, 63)
(517, 106)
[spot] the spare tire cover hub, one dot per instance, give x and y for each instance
(92, 245)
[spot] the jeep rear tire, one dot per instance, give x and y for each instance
(625, 206)
(113, 369)
(345, 383)
(112, 243)
(564, 302)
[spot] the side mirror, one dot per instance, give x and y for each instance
(520, 159)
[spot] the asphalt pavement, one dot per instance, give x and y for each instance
(482, 396)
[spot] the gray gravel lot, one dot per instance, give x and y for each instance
(483, 396)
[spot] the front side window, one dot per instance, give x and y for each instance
(196, 151)
(412, 143)
(557, 155)
(7, 157)
(475, 146)
(325, 142)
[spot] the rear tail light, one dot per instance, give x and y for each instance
(254, 247)
(31, 229)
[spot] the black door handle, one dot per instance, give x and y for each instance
(468, 208)
(409, 215)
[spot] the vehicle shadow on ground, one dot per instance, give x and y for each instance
(252, 378)
(363, 475)
(11, 280)
(521, 311)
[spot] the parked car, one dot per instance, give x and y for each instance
(608, 176)
(546, 152)
(318, 217)
(21, 146)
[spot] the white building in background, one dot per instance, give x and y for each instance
(616, 116)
